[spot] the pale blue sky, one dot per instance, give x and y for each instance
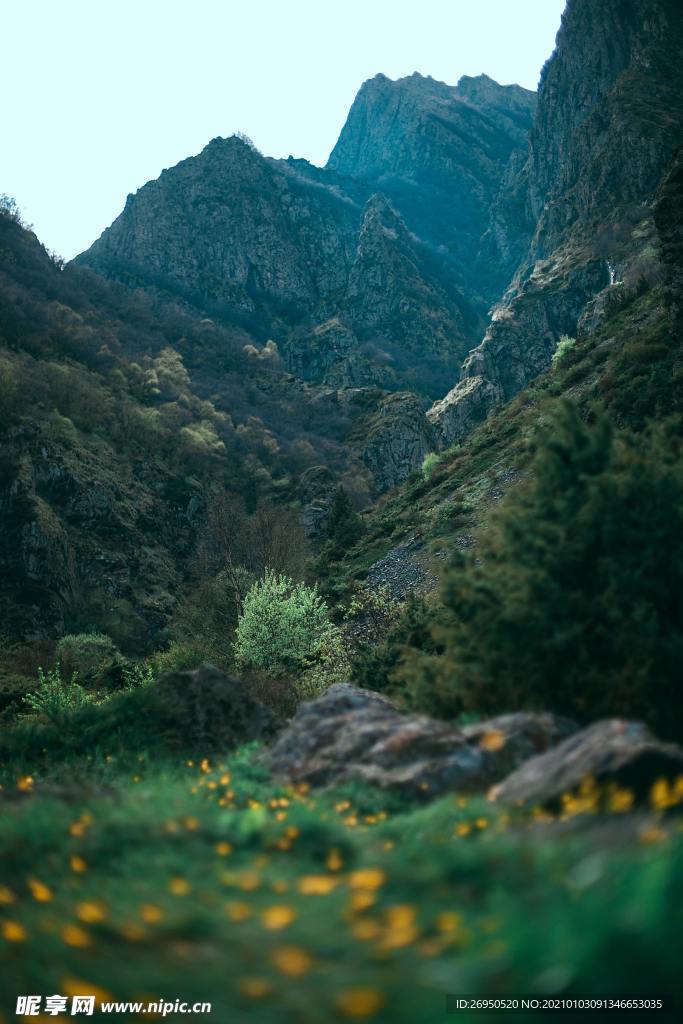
(101, 95)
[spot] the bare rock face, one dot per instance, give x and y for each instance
(209, 708)
(597, 153)
(397, 437)
(350, 733)
(613, 751)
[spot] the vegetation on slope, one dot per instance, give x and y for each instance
(134, 876)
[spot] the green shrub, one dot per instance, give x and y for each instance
(178, 657)
(564, 346)
(573, 600)
(284, 627)
(13, 689)
(137, 674)
(381, 656)
(429, 464)
(91, 656)
(56, 698)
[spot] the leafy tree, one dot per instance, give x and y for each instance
(284, 627)
(574, 598)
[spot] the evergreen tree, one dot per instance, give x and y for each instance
(344, 526)
(574, 598)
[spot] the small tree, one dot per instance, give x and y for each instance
(284, 627)
(344, 525)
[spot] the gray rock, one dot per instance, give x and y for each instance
(209, 708)
(610, 751)
(350, 733)
(395, 439)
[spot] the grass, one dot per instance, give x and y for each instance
(142, 877)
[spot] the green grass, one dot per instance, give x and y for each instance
(187, 878)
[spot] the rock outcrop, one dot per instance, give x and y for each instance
(613, 752)
(394, 440)
(207, 708)
(350, 733)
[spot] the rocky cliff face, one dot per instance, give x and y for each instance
(440, 153)
(609, 117)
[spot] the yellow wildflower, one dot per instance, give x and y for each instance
(278, 917)
(292, 961)
(150, 913)
(6, 895)
(77, 864)
(13, 931)
(249, 881)
(73, 987)
(223, 849)
(255, 988)
(367, 878)
(366, 929)
(237, 910)
(40, 892)
(360, 1003)
(333, 861)
(620, 800)
(316, 885)
(74, 935)
(400, 915)
(90, 911)
(492, 740)
(361, 899)
(448, 921)
(179, 886)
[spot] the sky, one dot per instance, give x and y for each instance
(101, 95)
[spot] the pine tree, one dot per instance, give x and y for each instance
(344, 525)
(574, 599)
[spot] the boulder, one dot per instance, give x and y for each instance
(350, 733)
(611, 751)
(207, 707)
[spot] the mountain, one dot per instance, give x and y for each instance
(608, 120)
(383, 239)
(123, 420)
(265, 330)
(439, 153)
